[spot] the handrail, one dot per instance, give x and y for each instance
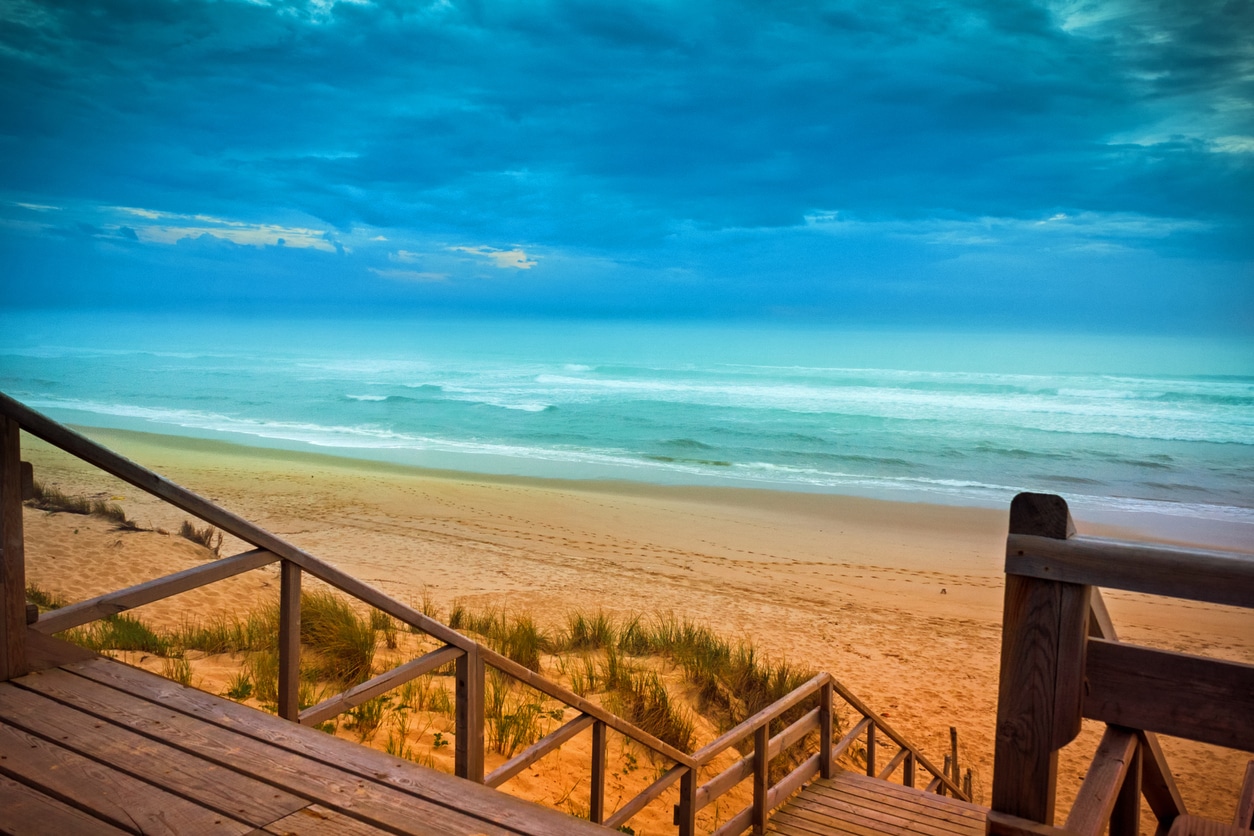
(766, 748)
(471, 657)
(1056, 632)
(1213, 576)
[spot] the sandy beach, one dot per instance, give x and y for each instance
(901, 602)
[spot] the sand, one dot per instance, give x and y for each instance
(901, 602)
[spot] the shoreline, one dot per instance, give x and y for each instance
(901, 601)
(1171, 528)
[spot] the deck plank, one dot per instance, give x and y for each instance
(208, 785)
(316, 820)
(294, 773)
(124, 801)
(476, 800)
(849, 804)
(29, 812)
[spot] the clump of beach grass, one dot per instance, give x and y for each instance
(48, 498)
(516, 637)
(342, 640)
(44, 599)
(207, 536)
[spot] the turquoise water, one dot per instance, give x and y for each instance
(1125, 423)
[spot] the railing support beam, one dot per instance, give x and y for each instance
(12, 554)
(469, 721)
(289, 642)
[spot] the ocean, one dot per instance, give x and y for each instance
(1124, 425)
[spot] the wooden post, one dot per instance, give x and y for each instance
(1044, 628)
(289, 642)
(1125, 819)
(870, 750)
(761, 776)
(949, 770)
(596, 800)
(907, 771)
(954, 770)
(686, 809)
(468, 755)
(12, 554)
(825, 730)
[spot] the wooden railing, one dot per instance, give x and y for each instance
(766, 748)
(1062, 661)
(470, 658)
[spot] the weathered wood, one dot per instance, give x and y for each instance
(761, 776)
(1245, 802)
(1125, 819)
(1196, 826)
(89, 451)
(851, 786)
(870, 750)
(28, 481)
(1157, 782)
(737, 824)
(1177, 694)
(623, 814)
(32, 613)
(954, 770)
(316, 820)
(1042, 515)
(865, 710)
(289, 642)
(737, 772)
(12, 554)
(766, 715)
(792, 782)
(1004, 824)
(73, 615)
(330, 785)
(850, 736)
(349, 759)
(596, 793)
(827, 721)
(119, 799)
(1044, 627)
(1095, 801)
(1218, 577)
(936, 783)
(907, 772)
(537, 750)
(850, 804)
(468, 751)
(31, 813)
(891, 766)
(686, 809)
(205, 784)
(380, 684)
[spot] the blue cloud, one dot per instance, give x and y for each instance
(662, 156)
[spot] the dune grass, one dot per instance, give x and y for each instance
(207, 536)
(47, 498)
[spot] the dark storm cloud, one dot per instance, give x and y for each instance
(653, 152)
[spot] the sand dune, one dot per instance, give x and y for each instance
(901, 602)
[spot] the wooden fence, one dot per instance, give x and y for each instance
(471, 659)
(1061, 661)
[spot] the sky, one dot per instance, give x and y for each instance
(978, 163)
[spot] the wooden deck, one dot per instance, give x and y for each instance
(849, 804)
(95, 746)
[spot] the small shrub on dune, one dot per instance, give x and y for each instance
(43, 599)
(343, 640)
(584, 632)
(47, 498)
(208, 536)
